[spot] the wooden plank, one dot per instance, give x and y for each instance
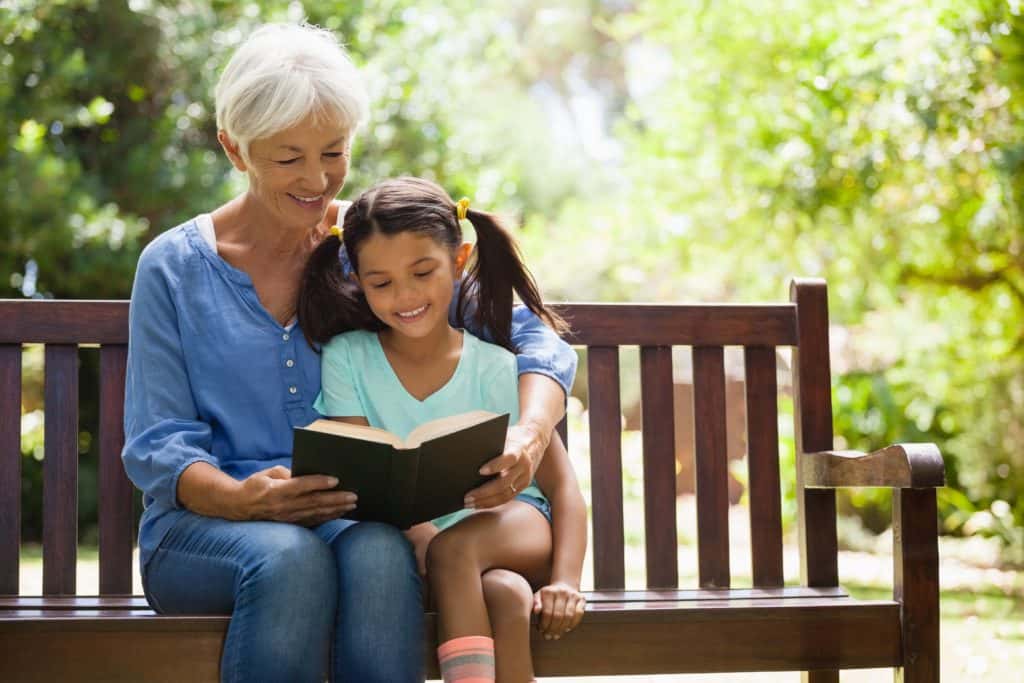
(35, 321)
(712, 468)
(606, 466)
(812, 410)
(84, 604)
(817, 634)
(106, 322)
(10, 466)
(115, 490)
(656, 402)
(916, 581)
(680, 325)
(903, 465)
(60, 470)
(763, 465)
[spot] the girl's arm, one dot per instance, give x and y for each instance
(560, 604)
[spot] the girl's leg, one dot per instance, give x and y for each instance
(276, 580)
(514, 537)
(379, 624)
(509, 601)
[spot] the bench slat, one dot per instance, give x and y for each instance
(606, 466)
(763, 465)
(60, 470)
(680, 325)
(115, 490)
(657, 407)
(777, 635)
(812, 410)
(64, 322)
(711, 466)
(10, 466)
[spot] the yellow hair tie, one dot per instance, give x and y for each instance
(462, 206)
(336, 231)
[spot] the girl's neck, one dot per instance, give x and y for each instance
(438, 344)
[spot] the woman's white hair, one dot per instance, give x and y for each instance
(282, 74)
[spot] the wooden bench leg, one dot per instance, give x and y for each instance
(820, 677)
(916, 582)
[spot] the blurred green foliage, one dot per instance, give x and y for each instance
(651, 151)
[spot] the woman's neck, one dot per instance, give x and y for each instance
(243, 224)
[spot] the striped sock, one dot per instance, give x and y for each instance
(469, 659)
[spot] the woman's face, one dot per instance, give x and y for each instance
(408, 279)
(297, 172)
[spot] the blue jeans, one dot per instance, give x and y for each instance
(344, 594)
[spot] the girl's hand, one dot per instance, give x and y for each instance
(420, 536)
(273, 494)
(524, 446)
(560, 609)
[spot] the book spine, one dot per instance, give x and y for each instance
(402, 492)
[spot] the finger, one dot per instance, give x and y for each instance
(545, 615)
(491, 494)
(558, 620)
(309, 483)
(537, 603)
(278, 472)
(502, 462)
(579, 609)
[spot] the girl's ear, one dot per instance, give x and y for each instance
(355, 279)
(233, 151)
(461, 256)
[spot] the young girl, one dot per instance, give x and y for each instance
(404, 364)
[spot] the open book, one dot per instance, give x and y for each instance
(402, 482)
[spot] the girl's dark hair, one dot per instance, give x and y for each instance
(329, 303)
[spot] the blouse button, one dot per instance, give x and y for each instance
(289, 363)
(286, 336)
(293, 390)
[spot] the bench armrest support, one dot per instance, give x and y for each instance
(905, 465)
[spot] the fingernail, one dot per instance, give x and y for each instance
(469, 502)
(485, 471)
(333, 481)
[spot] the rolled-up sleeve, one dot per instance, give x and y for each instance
(540, 350)
(163, 434)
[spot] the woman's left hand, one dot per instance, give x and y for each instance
(524, 446)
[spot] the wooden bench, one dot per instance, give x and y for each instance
(815, 627)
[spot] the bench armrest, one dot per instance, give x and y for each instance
(904, 465)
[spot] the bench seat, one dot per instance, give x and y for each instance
(624, 632)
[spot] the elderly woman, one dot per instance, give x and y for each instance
(218, 375)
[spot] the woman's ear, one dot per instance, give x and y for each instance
(461, 257)
(232, 149)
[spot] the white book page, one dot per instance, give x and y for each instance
(446, 425)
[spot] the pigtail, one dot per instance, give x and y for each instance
(330, 303)
(496, 271)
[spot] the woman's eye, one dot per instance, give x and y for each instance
(334, 155)
(380, 285)
(424, 274)
(285, 162)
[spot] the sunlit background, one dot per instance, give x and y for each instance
(656, 150)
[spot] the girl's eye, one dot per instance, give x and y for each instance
(334, 155)
(425, 273)
(380, 285)
(285, 162)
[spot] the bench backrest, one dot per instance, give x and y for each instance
(602, 328)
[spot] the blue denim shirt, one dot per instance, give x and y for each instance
(212, 376)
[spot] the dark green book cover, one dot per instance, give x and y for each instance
(401, 486)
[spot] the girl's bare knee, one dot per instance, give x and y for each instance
(507, 594)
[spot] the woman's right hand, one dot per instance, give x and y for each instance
(274, 495)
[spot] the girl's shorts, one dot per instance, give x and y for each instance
(543, 506)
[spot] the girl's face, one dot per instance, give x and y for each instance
(297, 172)
(409, 280)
